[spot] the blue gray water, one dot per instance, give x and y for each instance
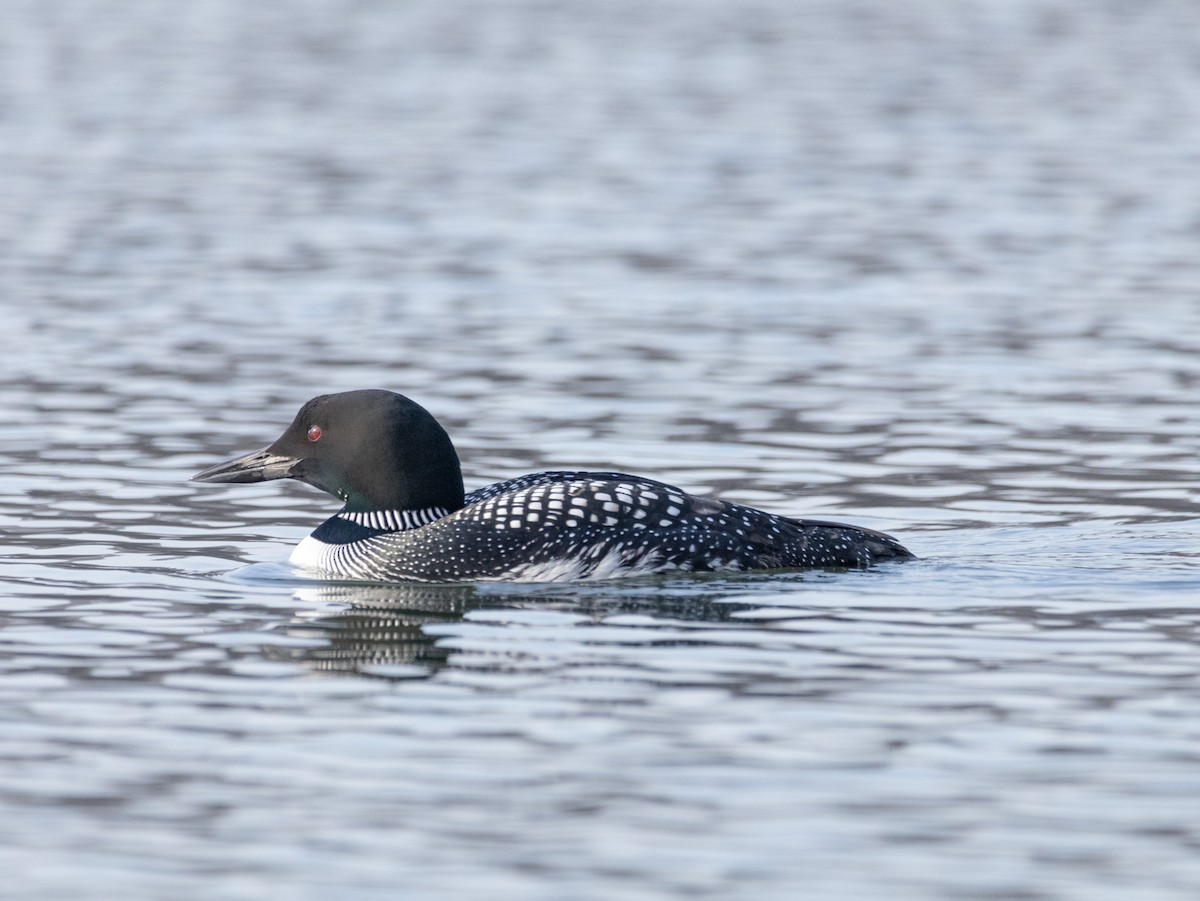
(932, 268)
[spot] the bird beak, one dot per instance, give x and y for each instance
(259, 466)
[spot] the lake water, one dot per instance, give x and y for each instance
(932, 268)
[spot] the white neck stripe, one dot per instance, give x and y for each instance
(394, 520)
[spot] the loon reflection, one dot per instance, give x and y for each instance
(381, 631)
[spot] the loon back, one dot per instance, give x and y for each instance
(567, 526)
(548, 526)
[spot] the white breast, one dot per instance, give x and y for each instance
(313, 554)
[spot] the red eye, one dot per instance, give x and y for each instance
(314, 433)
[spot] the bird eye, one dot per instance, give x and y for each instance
(314, 433)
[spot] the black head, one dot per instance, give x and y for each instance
(374, 449)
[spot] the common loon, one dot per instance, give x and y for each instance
(406, 518)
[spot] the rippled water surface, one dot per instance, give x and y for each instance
(929, 267)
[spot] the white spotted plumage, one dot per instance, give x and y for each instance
(574, 526)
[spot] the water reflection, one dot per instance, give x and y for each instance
(381, 632)
(384, 631)
(736, 625)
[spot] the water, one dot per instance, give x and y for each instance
(930, 268)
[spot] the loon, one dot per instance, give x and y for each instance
(406, 517)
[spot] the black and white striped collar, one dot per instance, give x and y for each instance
(394, 520)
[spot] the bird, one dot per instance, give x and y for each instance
(407, 518)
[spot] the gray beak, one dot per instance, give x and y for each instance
(259, 466)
